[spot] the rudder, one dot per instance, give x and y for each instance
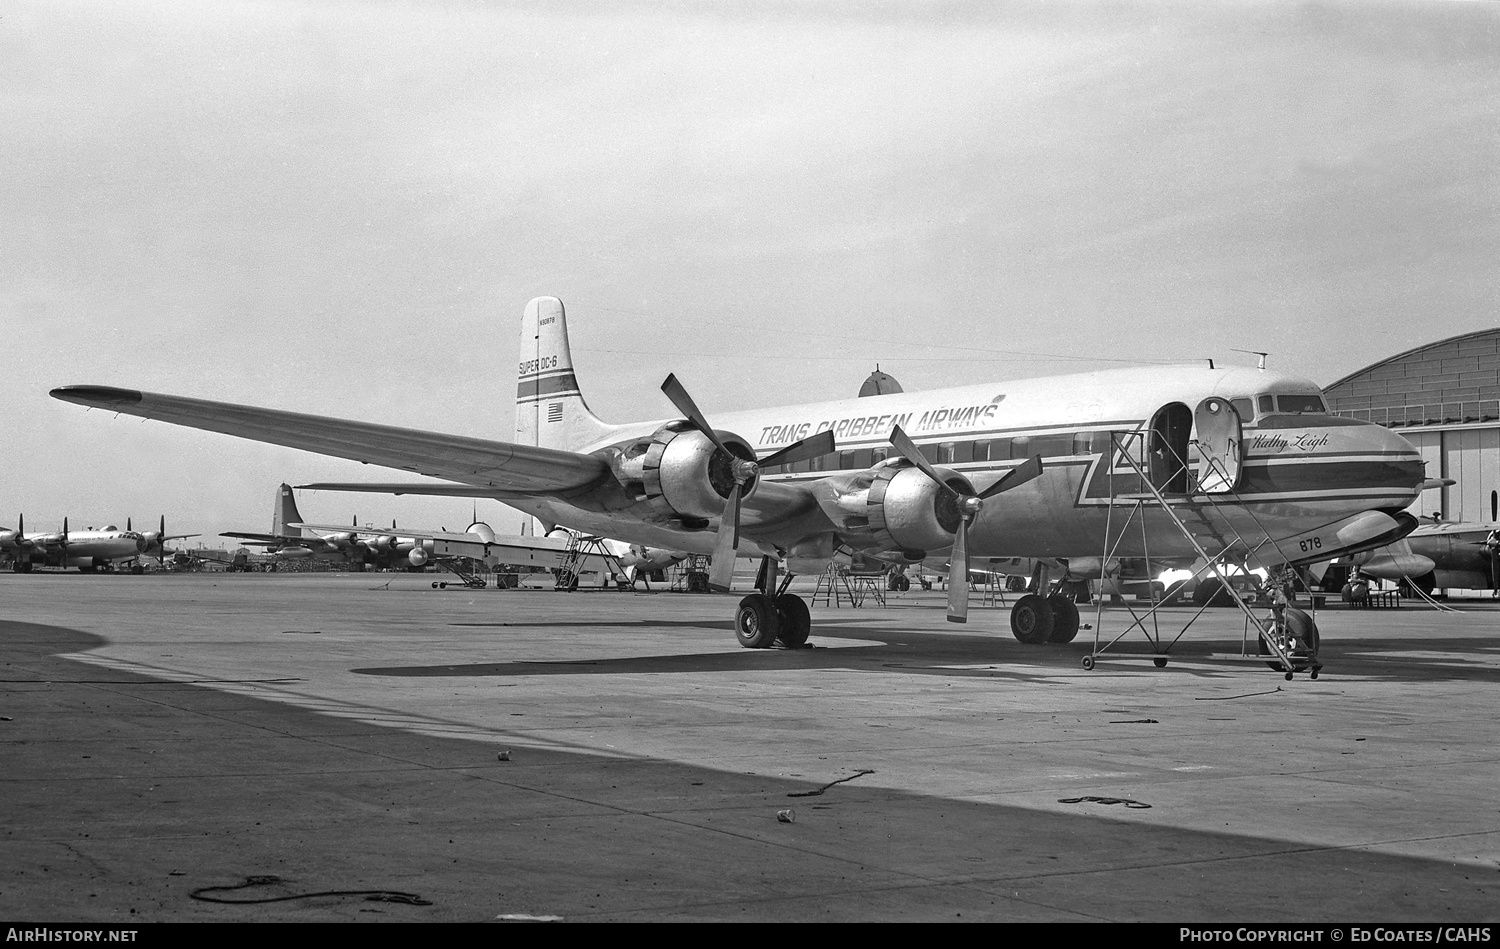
(285, 513)
(550, 410)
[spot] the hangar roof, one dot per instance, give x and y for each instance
(1454, 380)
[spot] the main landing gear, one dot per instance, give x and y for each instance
(1037, 619)
(771, 614)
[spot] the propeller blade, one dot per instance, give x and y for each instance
(958, 575)
(913, 454)
(679, 397)
(1019, 475)
(721, 571)
(810, 447)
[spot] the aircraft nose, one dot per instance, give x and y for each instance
(1397, 460)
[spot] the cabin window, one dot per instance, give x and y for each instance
(962, 452)
(1020, 447)
(931, 452)
(1051, 446)
(846, 460)
(801, 465)
(818, 463)
(982, 449)
(945, 453)
(1083, 443)
(1245, 407)
(877, 455)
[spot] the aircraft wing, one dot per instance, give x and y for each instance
(396, 488)
(537, 543)
(474, 461)
(269, 539)
(513, 549)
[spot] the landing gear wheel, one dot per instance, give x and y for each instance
(1210, 592)
(1064, 619)
(794, 620)
(755, 622)
(1302, 643)
(1088, 663)
(1031, 619)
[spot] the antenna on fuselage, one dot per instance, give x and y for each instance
(1255, 352)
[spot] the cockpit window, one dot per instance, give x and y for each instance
(1287, 404)
(1301, 404)
(1245, 408)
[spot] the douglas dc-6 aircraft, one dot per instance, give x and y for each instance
(1027, 468)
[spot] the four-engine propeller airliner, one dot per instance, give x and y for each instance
(89, 550)
(1242, 458)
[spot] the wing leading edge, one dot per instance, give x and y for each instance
(495, 465)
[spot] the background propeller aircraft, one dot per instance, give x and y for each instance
(293, 539)
(361, 547)
(1031, 467)
(89, 550)
(1457, 555)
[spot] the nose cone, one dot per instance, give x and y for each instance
(1400, 469)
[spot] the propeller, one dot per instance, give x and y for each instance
(727, 542)
(968, 507)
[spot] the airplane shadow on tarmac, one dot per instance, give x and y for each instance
(996, 655)
(123, 802)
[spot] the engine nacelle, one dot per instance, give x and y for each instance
(382, 543)
(680, 471)
(294, 553)
(341, 540)
(895, 506)
(483, 531)
(417, 557)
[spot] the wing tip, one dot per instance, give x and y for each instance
(97, 395)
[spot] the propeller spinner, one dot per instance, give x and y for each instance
(743, 470)
(968, 507)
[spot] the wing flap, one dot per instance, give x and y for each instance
(472, 461)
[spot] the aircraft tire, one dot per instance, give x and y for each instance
(1209, 592)
(755, 622)
(794, 619)
(1031, 619)
(1301, 625)
(1064, 619)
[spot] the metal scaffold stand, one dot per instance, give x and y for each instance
(1286, 639)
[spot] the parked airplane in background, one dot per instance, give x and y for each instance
(1459, 555)
(359, 547)
(89, 550)
(293, 539)
(1236, 454)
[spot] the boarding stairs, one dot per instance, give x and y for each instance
(457, 567)
(836, 583)
(580, 547)
(1188, 512)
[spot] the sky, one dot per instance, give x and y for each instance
(343, 207)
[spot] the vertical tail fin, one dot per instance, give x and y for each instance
(284, 513)
(550, 411)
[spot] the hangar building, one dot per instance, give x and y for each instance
(1444, 397)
